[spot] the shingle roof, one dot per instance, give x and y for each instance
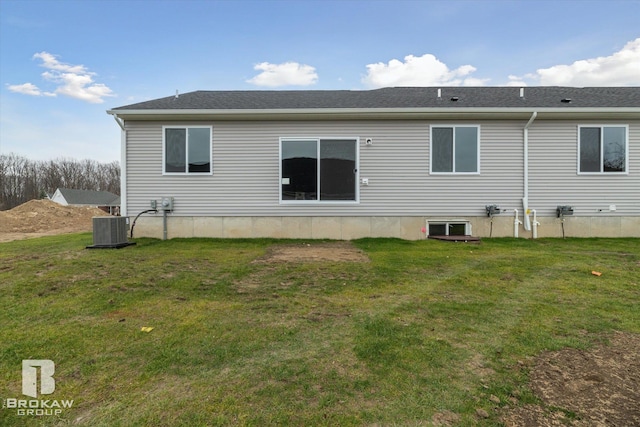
(399, 97)
(89, 197)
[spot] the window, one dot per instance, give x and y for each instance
(318, 169)
(602, 149)
(187, 150)
(449, 228)
(455, 149)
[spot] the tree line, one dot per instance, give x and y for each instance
(22, 179)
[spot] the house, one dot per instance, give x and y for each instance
(104, 200)
(395, 162)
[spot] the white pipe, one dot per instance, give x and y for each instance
(535, 224)
(533, 117)
(118, 121)
(516, 222)
(123, 162)
(525, 196)
(123, 173)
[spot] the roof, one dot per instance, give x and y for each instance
(399, 97)
(452, 100)
(89, 197)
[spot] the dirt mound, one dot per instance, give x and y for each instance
(598, 387)
(46, 217)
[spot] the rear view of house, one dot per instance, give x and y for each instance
(393, 162)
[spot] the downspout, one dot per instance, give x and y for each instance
(119, 121)
(525, 196)
(123, 173)
(123, 165)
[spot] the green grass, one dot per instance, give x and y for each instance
(424, 327)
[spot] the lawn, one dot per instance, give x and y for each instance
(420, 331)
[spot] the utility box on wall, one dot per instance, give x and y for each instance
(562, 211)
(110, 232)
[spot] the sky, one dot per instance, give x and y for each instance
(64, 63)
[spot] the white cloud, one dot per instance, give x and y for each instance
(29, 89)
(74, 81)
(620, 69)
(516, 81)
(425, 70)
(49, 61)
(286, 74)
(79, 86)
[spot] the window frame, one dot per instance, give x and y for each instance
(317, 140)
(453, 167)
(602, 171)
(186, 128)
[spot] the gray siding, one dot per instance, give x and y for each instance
(246, 171)
(554, 178)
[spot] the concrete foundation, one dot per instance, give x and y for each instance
(348, 228)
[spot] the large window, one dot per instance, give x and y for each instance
(187, 150)
(455, 149)
(318, 169)
(602, 149)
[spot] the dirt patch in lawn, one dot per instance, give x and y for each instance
(37, 218)
(321, 251)
(598, 387)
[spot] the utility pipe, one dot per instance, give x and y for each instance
(525, 196)
(516, 222)
(535, 224)
(164, 224)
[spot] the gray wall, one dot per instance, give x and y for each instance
(246, 170)
(553, 151)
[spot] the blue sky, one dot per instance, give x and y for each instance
(64, 63)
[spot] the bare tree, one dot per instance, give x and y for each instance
(22, 180)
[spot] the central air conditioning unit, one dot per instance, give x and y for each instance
(110, 232)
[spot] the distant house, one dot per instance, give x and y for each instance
(405, 162)
(104, 200)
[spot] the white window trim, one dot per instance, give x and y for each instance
(186, 172)
(626, 149)
(317, 139)
(431, 127)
